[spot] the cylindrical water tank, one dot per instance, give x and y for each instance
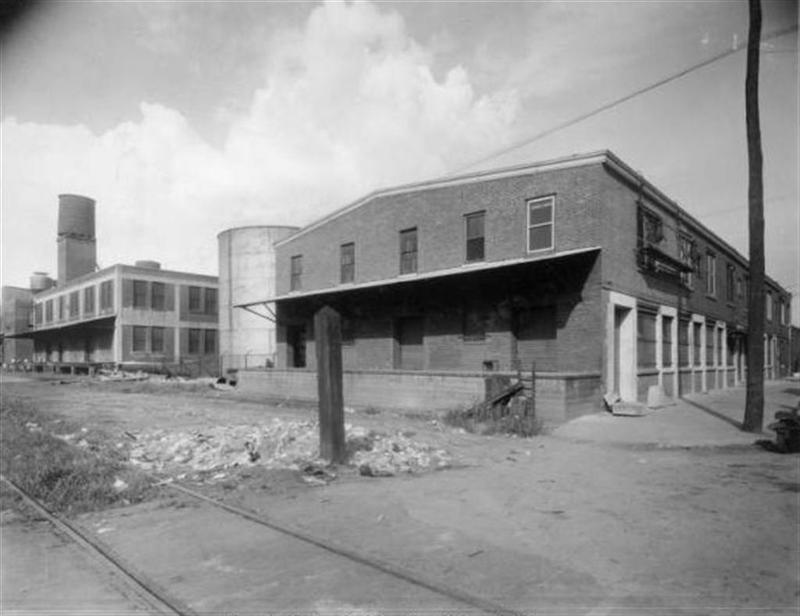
(247, 274)
(40, 281)
(153, 265)
(76, 216)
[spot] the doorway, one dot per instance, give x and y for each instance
(296, 346)
(624, 352)
(409, 346)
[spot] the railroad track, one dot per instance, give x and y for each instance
(159, 599)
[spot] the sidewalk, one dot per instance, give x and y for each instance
(697, 420)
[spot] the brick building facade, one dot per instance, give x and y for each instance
(578, 265)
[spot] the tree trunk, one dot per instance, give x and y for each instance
(754, 406)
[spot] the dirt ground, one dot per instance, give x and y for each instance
(543, 525)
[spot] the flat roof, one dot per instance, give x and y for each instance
(406, 278)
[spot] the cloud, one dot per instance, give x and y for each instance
(349, 102)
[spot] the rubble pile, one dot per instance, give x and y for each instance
(281, 444)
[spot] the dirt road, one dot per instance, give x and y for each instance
(541, 525)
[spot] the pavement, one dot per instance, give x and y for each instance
(696, 420)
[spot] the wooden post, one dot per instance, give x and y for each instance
(328, 338)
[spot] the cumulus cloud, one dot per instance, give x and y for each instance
(349, 103)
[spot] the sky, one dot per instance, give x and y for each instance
(183, 119)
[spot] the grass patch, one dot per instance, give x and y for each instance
(469, 420)
(87, 475)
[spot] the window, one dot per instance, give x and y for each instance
(195, 302)
(683, 343)
(296, 280)
(710, 339)
(474, 325)
(540, 223)
(211, 301)
(210, 342)
(787, 312)
(666, 341)
(729, 282)
(646, 339)
(139, 339)
(194, 341)
(650, 227)
(768, 308)
(157, 339)
(711, 274)
(88, 300)
(739, 288)
(347, 260)
(697, 330)
(48, 311)
(74, 304)
(475, 236)
(688, 256)
(107, 295)
(37, 314)
(158, 296)
(408, 251)
(140, 294)
(62, 307)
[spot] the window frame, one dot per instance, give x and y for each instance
(193, 342)
(194, 300)
(768, 305)
(139, 294)
(143, 334)
(210, 303)
(540, 203)
(209, 336)
(107, 295)
(160, 348)
(296, 272)
(730, 283)
(74, 304)
(161, 295)
(89, 300)
(476, 240)
(409, 259)
(711, 274)
(347, 262)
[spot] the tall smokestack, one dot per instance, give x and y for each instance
(77, 247)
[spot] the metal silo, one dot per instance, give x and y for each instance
(247, 274)
(40, 281)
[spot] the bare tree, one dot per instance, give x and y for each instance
(754, 406)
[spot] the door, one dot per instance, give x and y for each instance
(296, 345)
(409, 336)
(624, 373)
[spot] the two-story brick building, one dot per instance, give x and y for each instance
(578, 265)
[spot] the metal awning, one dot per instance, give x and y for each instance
(96, 323)
(462, 270)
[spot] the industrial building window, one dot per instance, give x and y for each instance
(74, 304)
(194, 341)
(62, 307)
(687, 253)
(210, 342)
(475, 236)
(787, 318)
(739, 288)
(768, 308)
(140, 294)
(698, 343)
(347, 259)
(683, 342)
(139, 339)
(650, 227)
(210, 301)
(666, 341)
(48, 311)
(710, 340)
(296, 273)
(158, 295)
(107, 295)
(474, 325)
(408, 251)
(195, 303)
(646, 338)
(711, 274)
(729, 282)
(156, 339)
(37, 314)
(88, 300)
(540, 223)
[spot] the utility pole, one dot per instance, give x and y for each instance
(754, 406)
(328, 338)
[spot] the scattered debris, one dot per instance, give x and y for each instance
(121, 375)
(787, 430)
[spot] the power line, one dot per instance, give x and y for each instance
(619, 101)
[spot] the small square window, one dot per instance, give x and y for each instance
(540, 223)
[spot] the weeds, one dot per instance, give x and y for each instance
(65, 476)
(467, 419)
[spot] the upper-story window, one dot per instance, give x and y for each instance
(107, 295)
(739, 287)
(540, 223)
(476, 240)
(210, 301)
(650, 226)
(408, 251)
(711, 274)
(62, 311)
(210, 342)
(158, 295)
(787, 308)
(48, 311)
(296, 273)
(768, 306)
(157, 339)
(729, 282)
(139, 344)
(140, 294)
(195, 299)
(687, 252)
(74, 304)
(88, 300)
(37, 314)
(347, 260)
